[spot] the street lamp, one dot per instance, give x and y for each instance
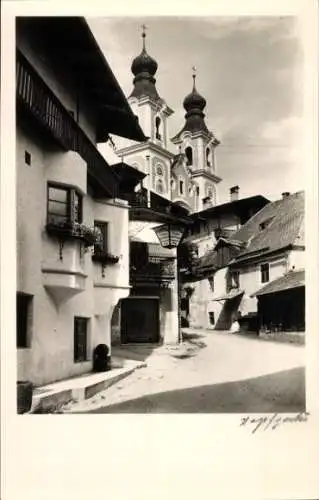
(169, 235)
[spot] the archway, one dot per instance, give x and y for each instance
(116, 324)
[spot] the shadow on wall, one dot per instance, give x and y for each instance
(229, 313)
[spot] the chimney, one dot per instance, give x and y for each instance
(285, 194)
(234, 191)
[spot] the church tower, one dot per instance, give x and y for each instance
(198, 145)
(151, 157)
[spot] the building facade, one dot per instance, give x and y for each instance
(72, 243)
(268, 247)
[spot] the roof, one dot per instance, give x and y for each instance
(240, 207)
(127, 174)
(284, 221)
(293, 279)
(70, 42)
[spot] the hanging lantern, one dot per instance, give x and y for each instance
(170, 235)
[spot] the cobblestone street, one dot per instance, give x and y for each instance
(216, 372)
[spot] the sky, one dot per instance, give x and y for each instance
(250, 71)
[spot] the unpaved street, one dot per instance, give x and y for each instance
(226, 374)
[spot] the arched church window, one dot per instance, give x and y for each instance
(181, 187)
(159, 186)
(208, 162)
(158, 122)
(189, 155)
(197, 190)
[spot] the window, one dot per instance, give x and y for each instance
(235, 279)
(211, 283)
(264, 270)
(207, 157)
(181, 187)
(189, 155)
(80, 339)
(24, 319)
(211, 317)
(102, 246)
(64, 205)
(197, 190)
(232, 280)
(265, 223)
(157, 125)
(27, 157)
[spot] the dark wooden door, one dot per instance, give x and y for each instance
(139, 320)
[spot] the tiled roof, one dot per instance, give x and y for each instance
(285, 219)
(285, 227)
(292, 279)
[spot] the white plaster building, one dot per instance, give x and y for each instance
(72, 229)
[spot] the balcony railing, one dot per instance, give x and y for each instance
(34, 96)
(137, 198)
(161, 272)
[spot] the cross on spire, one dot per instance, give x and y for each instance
(144, 28)
(194, 75)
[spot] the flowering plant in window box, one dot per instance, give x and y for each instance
(90, 235)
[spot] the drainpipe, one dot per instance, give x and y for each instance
(150, 181)
(179, 302)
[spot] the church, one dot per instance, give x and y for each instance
(187, 176)
(174, 175)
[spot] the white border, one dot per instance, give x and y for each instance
(152, 456)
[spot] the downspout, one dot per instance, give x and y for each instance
(150, 181)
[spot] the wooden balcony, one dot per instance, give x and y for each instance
(162, 272)
(35, 98)
(138, 198)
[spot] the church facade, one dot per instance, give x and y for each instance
(180, 168)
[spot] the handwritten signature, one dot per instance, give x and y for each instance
(271, 421)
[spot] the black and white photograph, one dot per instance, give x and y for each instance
(160, 215)
(158, 244)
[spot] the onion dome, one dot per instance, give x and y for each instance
(194, 100)
(144, 63)
(194, 105)
(144, 68)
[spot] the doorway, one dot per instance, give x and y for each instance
(139, 320)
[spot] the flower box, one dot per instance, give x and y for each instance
(105, 258)
(90, 236)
